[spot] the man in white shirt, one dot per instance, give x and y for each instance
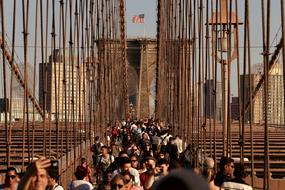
(178, 142)
(125, 164)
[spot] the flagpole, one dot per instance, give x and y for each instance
(144, 28)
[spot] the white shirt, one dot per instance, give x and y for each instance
(57, 187)
(179, 144)
(165, 139)
(80, 185)
(236, 186)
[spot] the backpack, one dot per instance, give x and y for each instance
(96, 148)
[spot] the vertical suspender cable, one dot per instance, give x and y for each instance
(266, 41)
(215, 85)
(34, 77)
(56, 67)
(229, 42)
(283, 50)
(71, 74)
(207, 74)
(238, 83)
(4, 81)
(11, 85)
(245, 84)
(251, 82)
(25, 106)
(46, 70)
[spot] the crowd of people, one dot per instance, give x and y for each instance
(137, 155)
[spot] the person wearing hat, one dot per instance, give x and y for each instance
(11, 179)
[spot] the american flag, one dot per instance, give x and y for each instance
(138, 18)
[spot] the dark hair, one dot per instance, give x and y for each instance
(122, 152)
(133, 155)
(116, 177)
(225, 161)
(12, 169)
(239, 171)
(162, 161)
(124, 160)
(54, 175)
(97, 138)
(104, 147)
(182, 180)
(80, 172)
(83, 160)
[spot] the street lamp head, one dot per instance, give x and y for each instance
(224, 17)
(220, 22)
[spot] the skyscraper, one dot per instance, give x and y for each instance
(209, 105)
(275, 95)
(56, 103)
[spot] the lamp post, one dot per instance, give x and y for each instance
(221, 21)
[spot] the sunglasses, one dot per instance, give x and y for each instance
(11, 176)
(133, 160)
(114, 186)
(128, 180)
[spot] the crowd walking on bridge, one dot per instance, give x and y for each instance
(137, 155)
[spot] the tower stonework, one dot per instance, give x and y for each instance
(141, 57)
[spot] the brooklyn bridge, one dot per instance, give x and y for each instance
(212, 76)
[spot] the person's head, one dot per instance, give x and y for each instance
(182, 180)
(83, 162)
(161, 155)
(97, 138)
(150, 163)
(134, 149)
(52, 178)
(228, 166)
(80, 173)
(107, 176)
(40, 180)
(104, 150)
(123, 154)
(118, 182)
(129, 178)
(163, 165)
(147, 146)
(239, 171)
(208, 169)
(134, 161)
(125, 163)
(144, 136)
(11, 177)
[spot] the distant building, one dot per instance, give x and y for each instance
(210, 92)
(275, 100)
(235, 108)
(57, 104)
(275, 96)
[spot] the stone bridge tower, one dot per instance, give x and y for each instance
(141, 57)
